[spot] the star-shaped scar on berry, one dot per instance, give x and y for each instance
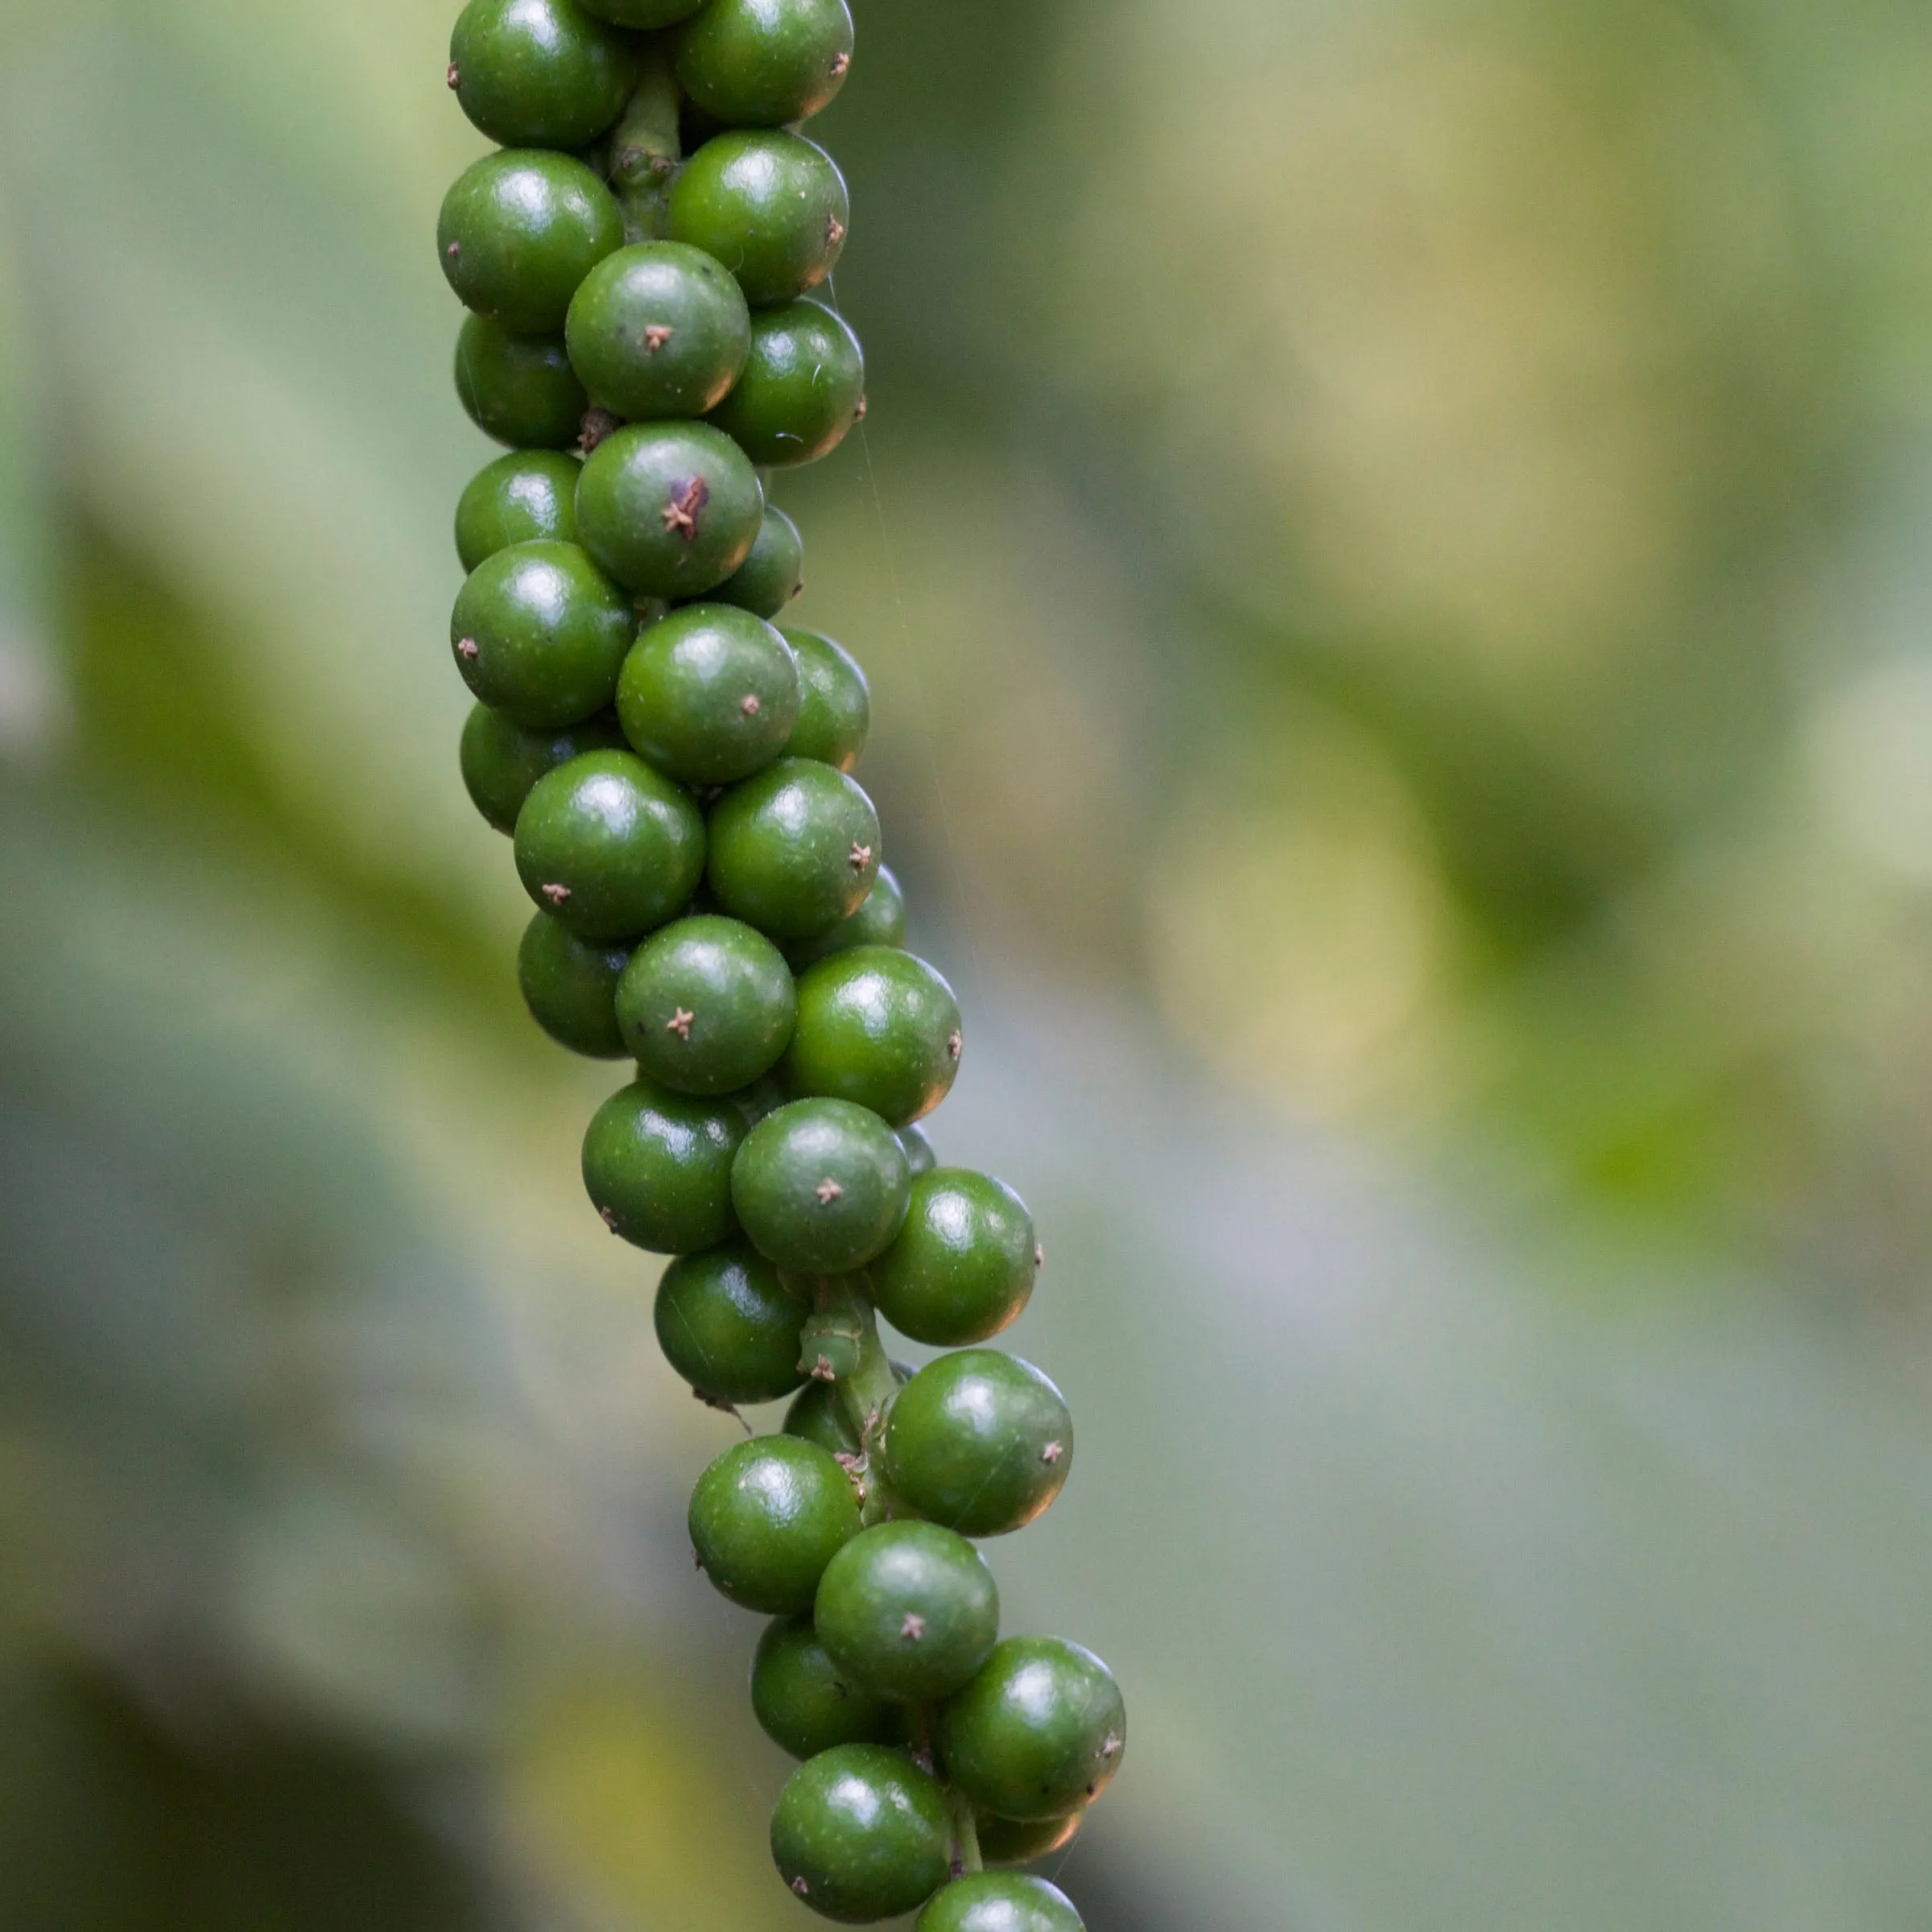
(862, 857)
(827, 1190)
(680, 1023)
(656, 336)
(682, 512)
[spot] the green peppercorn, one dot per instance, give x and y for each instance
(820, 1185)
(609, 846)
(803, 381)
(910, 1609)
(835, 708)
(540, 633)
(706, 1006)
(861, 1834)
(818, 1414)
(520, 232)
(773, 574)
(539, 73)
(657, 1166)
(806, 1704)
(963, 1268)
(1038, 1733)
(981, 1441)
(671, 509)
(570, 986)
(1000, 1901)
(709, 694)
(520, 390)
(771, 206)
(919, 1156)
(500, 761)
(877, 1026)
(643, 13)
(658, 332)
(529, 497)
(765, 63)
(793, 849)
(729, 1325)
(1006, 1841)
(766, 1519)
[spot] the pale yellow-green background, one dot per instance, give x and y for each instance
(1391, 541)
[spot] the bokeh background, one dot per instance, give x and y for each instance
(1391, 543)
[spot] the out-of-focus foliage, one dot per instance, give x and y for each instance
(1388, 540)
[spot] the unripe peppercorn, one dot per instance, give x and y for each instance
(1000, 1901)
(771, 206)
(861, 1834)
(538, 73)
(520, 232)
(766, 1519)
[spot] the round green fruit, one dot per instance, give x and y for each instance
(766, 1519)
(861, 1834)
(1000, 1901)
(818, 1415)
(501, 761)
(773, 574)
(1005, 1841)
(910, 1609)
(528, 497)
(793, 849)
(806, 1704)
(771, 206)
(765, 63)
(609, 846)
(519, 390)
(520, 230)
(657, 1166)
(963, 1268)
(879, 1027)
(657, 332)
(729, 1325)
(706, 1006)
(671, 509)
(820, 1187)
(980, 1442)
(801, 389)
(539, 73)
(540, 633)
(1038, 1733)
(570, 986)
(835, 710)
(709, 694)
(879, 922)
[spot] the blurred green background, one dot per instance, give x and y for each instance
(1391, 545)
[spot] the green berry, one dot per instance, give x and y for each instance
(570, 986)
(764, 62)
(729, 1325)
(1000, 1901)
(794, 849)
(709, 694)
(643, 13)
(609, 846)
(963, 1268)
(801, 389)
(1006, 1841)
(820, 1185)
(876, 1026)
(657, 1166)
(910, 1609)
(766, 1519)
(501, 761)
(919, 1156)
(818, 1414)
(529, 497)
(834, 711)
(706, 1006)
(773, 574)
(861, 1834)
(1039, 1731)
(669, 509)
(520, 232)
(879, 922)
(540, 633)
(539, 73)
(806, 1704)
(657, 332)
(520, 390)
(981, 1441)
(772, 207)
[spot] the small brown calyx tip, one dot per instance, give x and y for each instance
(1052, 1452)
(822, 1370)
(956, 1045)
(681, 512)
(834, 231)
(1039, 1255)
(468, 649)
(558, 895)
(598, 425)
(800, 1886)
(858, 414)
(827, 1190)
(656, 336)
(680, 1023)
(853, 1465)
(454, 76)
(609, 1217)
(862, 857)
(841, 66)
(751, 707)
(454, 249)
(913, 1628)
(1111, 1747)
(959, 1868)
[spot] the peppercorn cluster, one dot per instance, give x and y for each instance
(638, 260)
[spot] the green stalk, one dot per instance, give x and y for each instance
(965, 1833)
(841, 1342)
(646, 148)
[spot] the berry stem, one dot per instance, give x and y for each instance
(965, 1832)
(865, 1381)
(645, 148)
